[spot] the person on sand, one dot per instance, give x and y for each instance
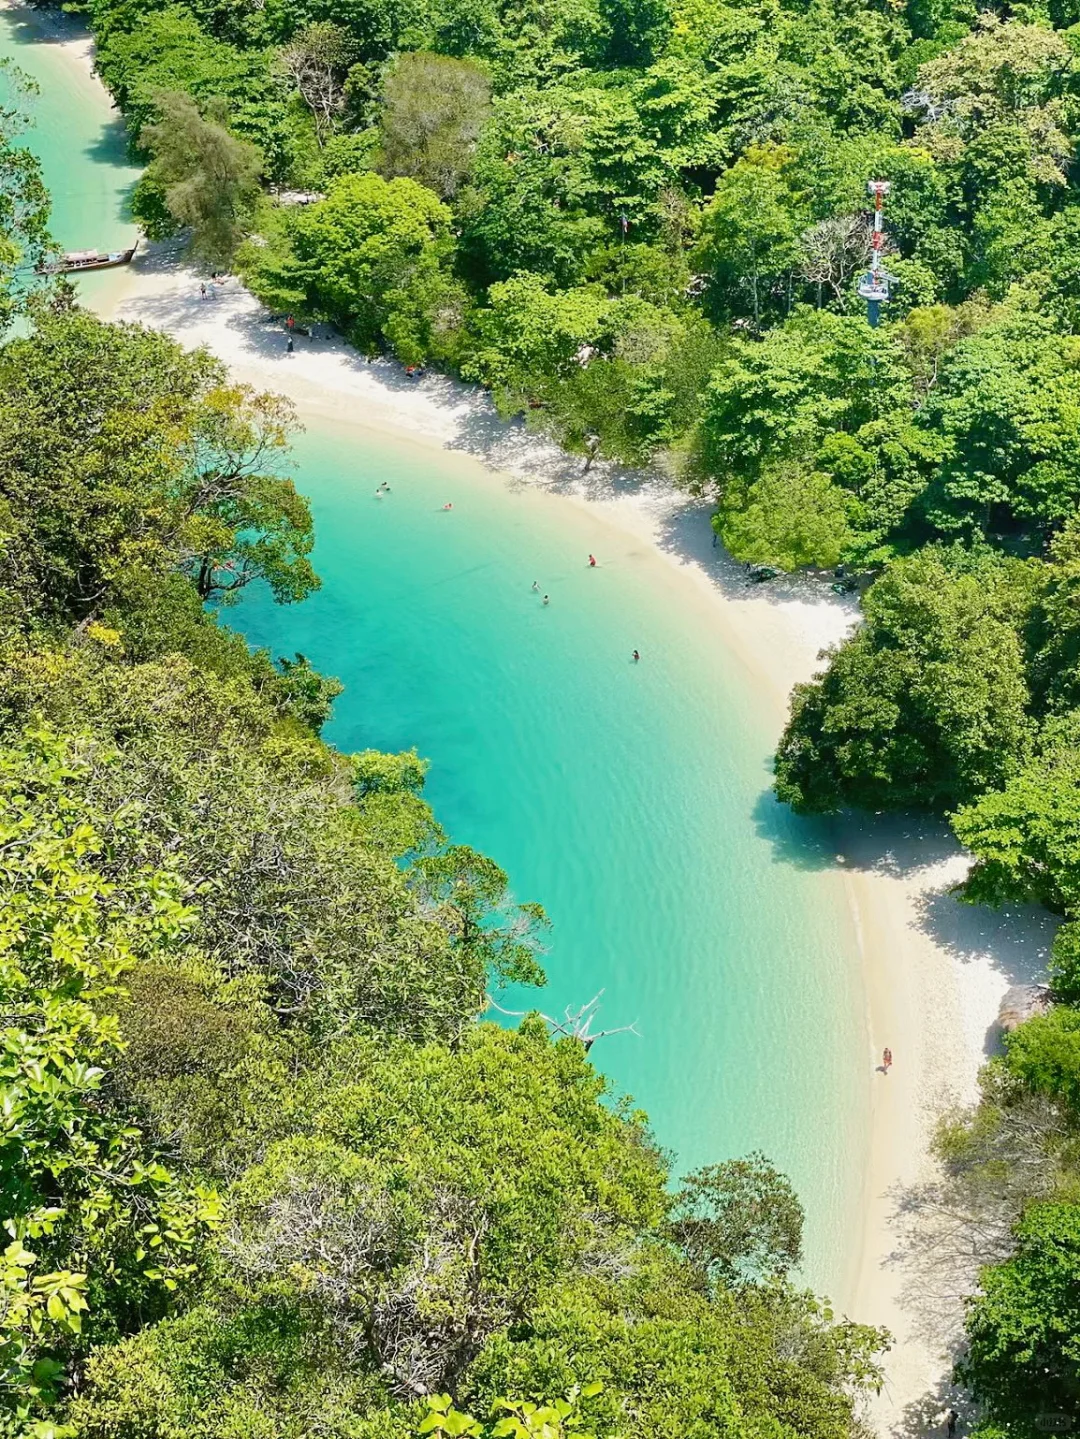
(290, 323)
(592, 562)
(950, 1423)
(202, 292)
(289, 346)
(886, 1061)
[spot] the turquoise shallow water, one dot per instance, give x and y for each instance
(80, 143)
(631, 800)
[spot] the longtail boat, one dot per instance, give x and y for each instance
(78, 260)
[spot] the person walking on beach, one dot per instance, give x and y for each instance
(886, 1061)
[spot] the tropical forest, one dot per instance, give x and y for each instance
(276, 1161)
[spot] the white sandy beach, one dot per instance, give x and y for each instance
(935, 969)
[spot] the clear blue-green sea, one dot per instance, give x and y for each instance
(630, 799)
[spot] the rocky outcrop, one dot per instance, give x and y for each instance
(1021, 1002)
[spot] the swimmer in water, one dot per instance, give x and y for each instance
(448, 506)
(636, 656)
(536, 588)
(547, 599)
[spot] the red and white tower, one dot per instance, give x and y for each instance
(874, 286)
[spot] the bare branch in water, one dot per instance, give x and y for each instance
(575, 1024)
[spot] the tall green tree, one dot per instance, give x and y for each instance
(101, 1234)
(740, 1221)
(751, 236)
(125, 456)
(433, 110)
(24, 203)
(374, 257)
(1023, 1363)
(317, 60)
(203, 178)
(926, 705)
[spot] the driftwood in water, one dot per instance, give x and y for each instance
(575, 1024)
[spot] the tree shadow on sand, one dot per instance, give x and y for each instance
(1016, 937)
(927, 1415)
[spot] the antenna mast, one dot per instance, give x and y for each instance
(874, 286)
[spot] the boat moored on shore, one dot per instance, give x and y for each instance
(75, 261)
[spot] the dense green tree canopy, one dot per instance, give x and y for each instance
(200, 178)
(23, 202)
(433, 112)
(1022, 1329)
(926, 705)
(371, 256)
(93, 502)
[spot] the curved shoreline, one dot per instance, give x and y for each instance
(933, 970)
